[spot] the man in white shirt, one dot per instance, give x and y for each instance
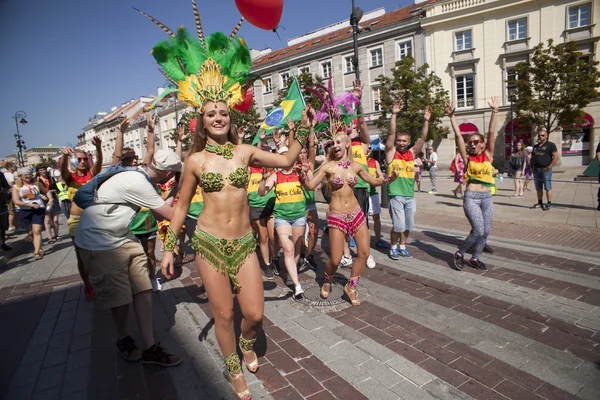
(11, 168)
(115, 259)
(433, 170)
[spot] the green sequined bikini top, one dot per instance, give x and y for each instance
(214, 182)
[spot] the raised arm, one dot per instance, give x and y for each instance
(460, 142)
(267, 183)
(120, 140)
(363, 130)
(65, 172)
(390, 142)
(494, 104)
(378, 169)
(97, 142)
(312, 148)
(150, 140)
(418, 146)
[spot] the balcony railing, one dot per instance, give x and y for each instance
(460, 4)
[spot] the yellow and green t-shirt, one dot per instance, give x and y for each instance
(289, 200)
(143, 222)
(196, 204)
(359, 156)
(404, 165)
(254, 200)
(479, 170)
(372, 164)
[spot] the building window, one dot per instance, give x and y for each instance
(326, 69)
(304, 70)
(404, 49)
(268, 85)
(348, 64)
(463, 40)
(579, 15)
(465, 93)
(376, 57)
(377, 98)
(511, 84)
(517, 29)
(285, 77)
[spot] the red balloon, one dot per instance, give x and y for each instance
(247, 103)
(264, 14)
(193, 123)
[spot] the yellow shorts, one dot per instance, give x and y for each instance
(118, 274)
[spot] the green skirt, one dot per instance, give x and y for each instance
(224, 255)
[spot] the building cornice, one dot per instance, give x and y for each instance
(477, 8)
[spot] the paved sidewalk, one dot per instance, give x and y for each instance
(527, 328)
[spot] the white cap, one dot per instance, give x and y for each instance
(529, 148)
(166, 160)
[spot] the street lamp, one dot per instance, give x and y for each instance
(355, 18)
(20, 119)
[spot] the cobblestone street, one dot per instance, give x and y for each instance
(529, 328)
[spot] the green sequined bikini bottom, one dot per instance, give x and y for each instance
(224, 255)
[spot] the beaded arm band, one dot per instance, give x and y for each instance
(302, 135)
(170, 240)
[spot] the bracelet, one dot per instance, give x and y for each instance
(302, 135)
(170, 240)
(494, 111)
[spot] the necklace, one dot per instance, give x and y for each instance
(225, 150)
(345, 165)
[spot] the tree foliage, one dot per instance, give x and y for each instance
(249, 120)
(305, 79)
(555, 86)
(46, 163)
(417, 89)
(185, 119)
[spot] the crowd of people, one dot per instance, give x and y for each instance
(229, 199)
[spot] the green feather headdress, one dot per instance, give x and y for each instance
(216, 67)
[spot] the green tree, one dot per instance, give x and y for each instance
(305, 79)
(249, 120)
(46, 163)
(417, 89)
(555, 86)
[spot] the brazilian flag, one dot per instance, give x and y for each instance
(291, 107)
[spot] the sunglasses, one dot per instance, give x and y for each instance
(475, 142)
(369, 148)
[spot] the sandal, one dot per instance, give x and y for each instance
(244, 395)
(249, 344)
(58, 238)
(51, 240)
(352, 295)
(326, 291)
(38, 256)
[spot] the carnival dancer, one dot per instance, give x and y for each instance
(290, 217)
(401, 160)
(209, 73)
(477, 204)
(345, 216)
(74, 180)
(51, 218)
(261, 213)
(32, 201)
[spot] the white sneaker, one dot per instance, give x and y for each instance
(371, 262)
(298, 291)
(156, 286)
(346, 261)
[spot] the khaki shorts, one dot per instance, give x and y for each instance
(117, 275)
(73, 223)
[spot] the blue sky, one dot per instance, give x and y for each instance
(64, 60)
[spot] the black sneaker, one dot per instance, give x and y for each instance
(548, 207)
(310, 261)
(488, 249)
(477, 264)
(459, 261)
(269, 272)
(158, 355)
(275, 266)
(128, 349)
